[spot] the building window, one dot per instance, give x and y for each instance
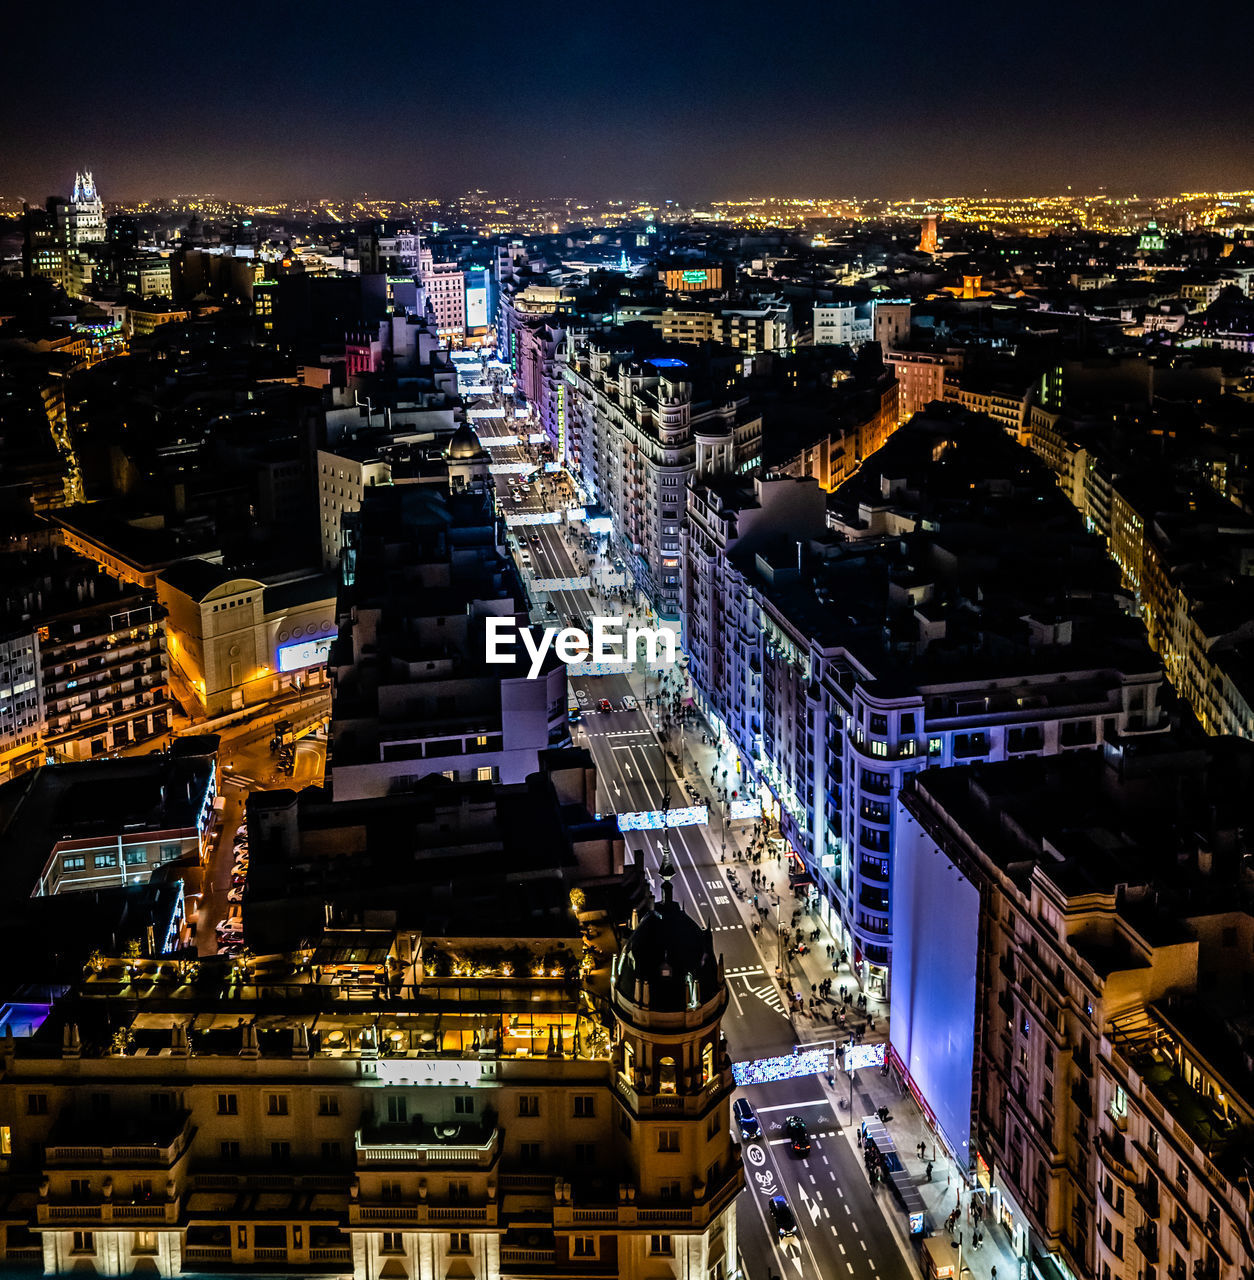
(529, 1153)
(464, 1104)
(398, 1109)
(585, 1105)
(529, 1105)
(583, 1247)
(393, 1242)
(228, 1150)
(585, 1153)
(106, 860)
(78, 863)
(660, 1246)
(331, 1151)
(668, 1139)
(280, 1152)
(228, 1104)
(145, 1242)
(328, 1104)
(459, 1242)
(459, 1190)
(36, 1104)
(276, 1104)
(84, 1242)
(136, 857)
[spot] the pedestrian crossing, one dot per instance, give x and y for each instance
(238, 780)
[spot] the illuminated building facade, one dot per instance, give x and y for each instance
(84, 214)
(236, 640)
(692, 279)
(1061, 1014)
(850, 711)
(642, 422)
(486, 1097)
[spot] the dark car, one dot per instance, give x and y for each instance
(744, 1117)
(785, 1223)
(795, 1129)
(573, 715)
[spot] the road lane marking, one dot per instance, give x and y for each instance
(841, 1247)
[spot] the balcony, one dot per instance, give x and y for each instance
(147, 1142)
(1180, 1228)
(443, 1217)
(108, 1211)
(1147, 1198)
(1146, 1239)
(428, 1145)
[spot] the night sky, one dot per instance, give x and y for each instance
(678, 100)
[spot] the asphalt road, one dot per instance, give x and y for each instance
(842, 1231)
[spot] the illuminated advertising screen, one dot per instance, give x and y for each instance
(741, 809)
(696, 277)
(477, 307)
(304, 653)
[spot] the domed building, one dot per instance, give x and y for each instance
(674, 1078)
(464, 444)
(466, 458)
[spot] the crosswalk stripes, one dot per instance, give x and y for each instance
(769, 996)
(743, 971)
(238, 780)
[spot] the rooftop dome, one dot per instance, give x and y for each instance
(670, 952)
(464, 444)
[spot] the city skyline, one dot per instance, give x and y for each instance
(705, 105)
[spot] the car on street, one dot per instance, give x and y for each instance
(550, 607)
(785, 1223)
(518, 498)
(574, 715)
(798, 1136)
(629, 703)
(605, 705)
(742, 1112)
(236, 894)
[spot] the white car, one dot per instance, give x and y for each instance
(518, 498)
(629, 703)
(235, 895)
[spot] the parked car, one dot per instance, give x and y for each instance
(236, 894)
(785, 1223)
(797, 1134)
(744, 1117)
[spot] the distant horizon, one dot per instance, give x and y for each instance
(1072, 192)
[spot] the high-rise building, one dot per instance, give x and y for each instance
(928, 239)
(84, 215)
(444, 285)
(875, 654)
(1067, 999)
(640, 419)
(413, 692)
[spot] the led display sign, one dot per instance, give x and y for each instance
(304, 653)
